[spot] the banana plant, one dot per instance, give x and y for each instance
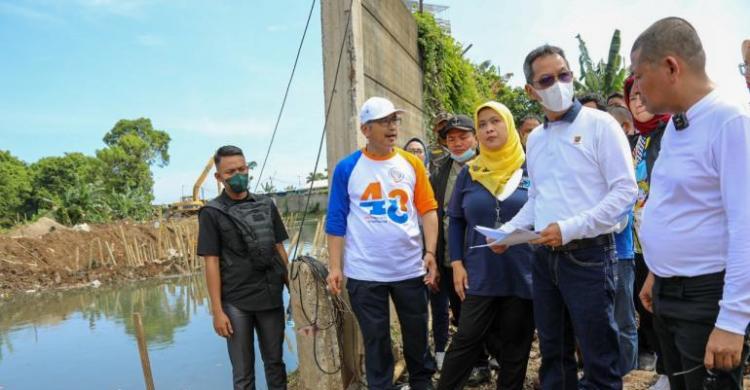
(602, 78)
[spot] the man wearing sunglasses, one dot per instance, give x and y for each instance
(582, 188)
(696, 223)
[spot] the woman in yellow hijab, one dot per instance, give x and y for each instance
(501, 153)
(495, 288)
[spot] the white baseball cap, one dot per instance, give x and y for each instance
(376, 108)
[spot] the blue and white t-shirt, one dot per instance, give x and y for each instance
(375, 203)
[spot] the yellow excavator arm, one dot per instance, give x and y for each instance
(201, 179)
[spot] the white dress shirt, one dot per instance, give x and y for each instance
(582, 176)
(697, 218)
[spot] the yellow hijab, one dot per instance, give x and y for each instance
(493, 168)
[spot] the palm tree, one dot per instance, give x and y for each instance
(316, 176)
(602, 78)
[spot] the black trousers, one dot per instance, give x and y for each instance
(370, 305)
(685, 310)
(505, 325)
(269, 325)
(647, 340)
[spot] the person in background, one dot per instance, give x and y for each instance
(616, 99)
(650, 130)
(696, 223)
(240, 236)
(582, 188)
(417, 147)
(527, 124)
(592, 100)
(378, 195)
(459, 136)
(745, 65)
(624, 303)
(438, 155)
(495, 289)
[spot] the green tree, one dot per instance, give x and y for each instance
(15, 189)
(602, 78)
(53, 176)
(156, 140)
(125, 165)
(494, 86)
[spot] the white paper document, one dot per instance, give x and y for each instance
(503, 237)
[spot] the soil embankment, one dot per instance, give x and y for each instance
(47, 255)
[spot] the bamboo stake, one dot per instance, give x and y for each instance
(143, 350)
(111, 255)
(101, 252)
(78, 257)
(125, 245)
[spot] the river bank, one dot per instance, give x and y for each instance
(46, 255)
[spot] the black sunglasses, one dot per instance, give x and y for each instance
(548, 80)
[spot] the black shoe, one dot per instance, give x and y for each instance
(647, 361)
(479, 375)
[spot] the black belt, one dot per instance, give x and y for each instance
(585, 243)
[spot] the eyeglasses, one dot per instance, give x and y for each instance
(547, 80)
(743, 68)
(415, 151)
(387, 121)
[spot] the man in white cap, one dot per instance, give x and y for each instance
(376, 198)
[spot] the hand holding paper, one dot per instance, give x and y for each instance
(502, 236)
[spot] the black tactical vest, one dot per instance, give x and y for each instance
(250, 267)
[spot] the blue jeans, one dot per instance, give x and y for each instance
(625, 316)
(574, 299)
(370, 305)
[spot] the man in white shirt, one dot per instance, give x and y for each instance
(582, 188)
(696, 222)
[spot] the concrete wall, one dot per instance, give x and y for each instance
(380, 58)
(295, 202)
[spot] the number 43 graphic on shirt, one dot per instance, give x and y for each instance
(395, 206)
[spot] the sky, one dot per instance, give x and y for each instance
(214, 73)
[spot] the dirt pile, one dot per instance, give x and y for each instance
(48, 255)
(37, 229)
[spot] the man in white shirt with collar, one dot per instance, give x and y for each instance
(695, 232)
(582, 188)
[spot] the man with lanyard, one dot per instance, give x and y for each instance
(377, 195)
(696, 223)
(240, 237)
(582, 189)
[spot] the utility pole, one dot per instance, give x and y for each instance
(421, 6)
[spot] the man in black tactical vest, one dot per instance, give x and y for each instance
(240, 237)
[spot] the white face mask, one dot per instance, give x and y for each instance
(558, 97)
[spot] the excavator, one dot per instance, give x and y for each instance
(189, 205)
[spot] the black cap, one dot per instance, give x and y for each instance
(458, 122)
